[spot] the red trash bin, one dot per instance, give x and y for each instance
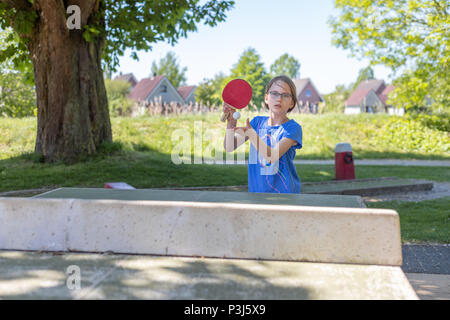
(343, 162)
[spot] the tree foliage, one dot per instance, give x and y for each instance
(13, 58)
(335, 101)
(6, 65)
(117, 91)
(17, 95)
(251, 68)
(146, 21)
(168, 66)
(286, 65)
(124, 24)
(210, 90)
(363, 74)
(412, 37)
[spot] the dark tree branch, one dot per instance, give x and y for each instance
(17, 4)
(441, 10)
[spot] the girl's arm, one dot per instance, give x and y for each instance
(231, 141)
(270, 154)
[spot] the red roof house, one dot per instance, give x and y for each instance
(157, 88)
(370, 96)
(308, 96)
(386, 91)
(187, 92)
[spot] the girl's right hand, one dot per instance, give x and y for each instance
(229, 110)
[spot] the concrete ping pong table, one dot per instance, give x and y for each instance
(347, 250)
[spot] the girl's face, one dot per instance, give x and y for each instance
(279, 98)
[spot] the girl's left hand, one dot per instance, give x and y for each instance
(243, 131)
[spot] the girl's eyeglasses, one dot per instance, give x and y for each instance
(276, 94)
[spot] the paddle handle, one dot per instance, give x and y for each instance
(225, 114)
(223, 117)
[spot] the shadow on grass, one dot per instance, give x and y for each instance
(137, 165)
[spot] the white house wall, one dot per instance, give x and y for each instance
(352, 110)
(396, 111)
(374, 101)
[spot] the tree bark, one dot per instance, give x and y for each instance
(73, 115)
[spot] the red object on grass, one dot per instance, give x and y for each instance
(118, 185)
(343, 162)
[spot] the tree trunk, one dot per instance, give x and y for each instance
(73, 115)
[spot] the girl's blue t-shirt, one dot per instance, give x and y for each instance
(280, 176)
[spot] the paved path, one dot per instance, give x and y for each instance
(432, 259)
(430, 286)
(427, 268)
(385, 162)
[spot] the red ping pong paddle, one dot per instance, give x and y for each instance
(237, 93)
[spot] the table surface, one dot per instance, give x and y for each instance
(206, 196)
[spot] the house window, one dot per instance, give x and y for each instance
(163, 89)
(308, 93)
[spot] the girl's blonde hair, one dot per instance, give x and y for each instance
(291, 85)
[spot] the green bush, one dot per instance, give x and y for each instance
(117, 91)
(17, 98)
(120, 107)
(372, 136)
(439, 121)
(409, 135)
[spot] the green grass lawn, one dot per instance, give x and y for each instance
(141, 156)
(425, 221)
(371, 136)
(152, 170)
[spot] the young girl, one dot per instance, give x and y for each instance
(274, 140)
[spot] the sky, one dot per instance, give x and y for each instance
(272, 28)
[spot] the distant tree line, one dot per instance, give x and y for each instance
(250, 68)
(335, 101)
